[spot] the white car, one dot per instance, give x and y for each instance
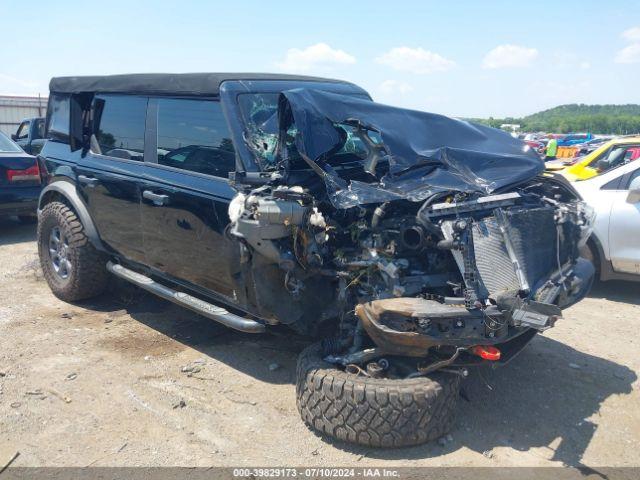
(614, 246)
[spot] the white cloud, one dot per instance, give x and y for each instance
(389, 87)
(585, 65)
(506, 56)
(415, 60)
(319, 55)
(631, 34)
(629, 54)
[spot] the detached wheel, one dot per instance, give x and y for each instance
(73, 268)
(374, 412)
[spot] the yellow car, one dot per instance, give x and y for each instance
(609, 155)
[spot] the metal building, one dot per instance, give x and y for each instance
(13, 109)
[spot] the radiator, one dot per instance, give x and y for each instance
(533, 235)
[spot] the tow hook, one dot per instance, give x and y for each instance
(486, 352)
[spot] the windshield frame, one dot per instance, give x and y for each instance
(230, 91)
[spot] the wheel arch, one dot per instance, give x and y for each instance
(604, 268)
(595, 247)
(66, 192)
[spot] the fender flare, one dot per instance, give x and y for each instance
(69, 192)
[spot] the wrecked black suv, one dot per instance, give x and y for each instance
(411, 245)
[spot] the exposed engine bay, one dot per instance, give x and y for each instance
(415, 282)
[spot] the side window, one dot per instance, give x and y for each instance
(618, 156)
(39, 130)
(193, 135)
(613, 184)
(118, 126)
(58, 118)
(23, 131)
(622, 182)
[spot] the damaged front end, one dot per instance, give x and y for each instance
(410, 241)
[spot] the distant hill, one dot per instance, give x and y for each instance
(604, 119)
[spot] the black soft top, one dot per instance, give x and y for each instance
(196, 84)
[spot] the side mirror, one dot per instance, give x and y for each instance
(634, 191)
(602, 165)
(14, 137)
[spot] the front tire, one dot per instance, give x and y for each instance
(72, 266)
(376, 412)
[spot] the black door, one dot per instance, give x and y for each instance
(109, 175)
(186, 194)
(21, 136)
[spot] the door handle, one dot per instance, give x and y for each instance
(156, 198)
(88, 181)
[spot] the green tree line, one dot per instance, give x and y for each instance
(603, 119)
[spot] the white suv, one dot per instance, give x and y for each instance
(614, 246)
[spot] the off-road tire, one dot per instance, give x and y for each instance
(374, 412)
(88, 275)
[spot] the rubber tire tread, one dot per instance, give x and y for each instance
(374, 412)
(88, 277)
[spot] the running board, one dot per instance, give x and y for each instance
(205, 309)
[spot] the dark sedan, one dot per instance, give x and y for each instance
(20, 181)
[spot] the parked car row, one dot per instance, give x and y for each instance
(608, 156)
(606, 175)
(568, 147)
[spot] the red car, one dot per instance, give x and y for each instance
(536, 145)
(632, 154)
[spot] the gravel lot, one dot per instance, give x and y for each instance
(129, 379)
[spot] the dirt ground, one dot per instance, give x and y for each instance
(129, 379)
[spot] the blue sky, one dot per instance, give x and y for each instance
(460, 58)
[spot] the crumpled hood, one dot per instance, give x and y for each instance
(427, 153)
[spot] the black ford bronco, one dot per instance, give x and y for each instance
(411, 245)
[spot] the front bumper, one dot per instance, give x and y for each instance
(19, 200)
(411, 326)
